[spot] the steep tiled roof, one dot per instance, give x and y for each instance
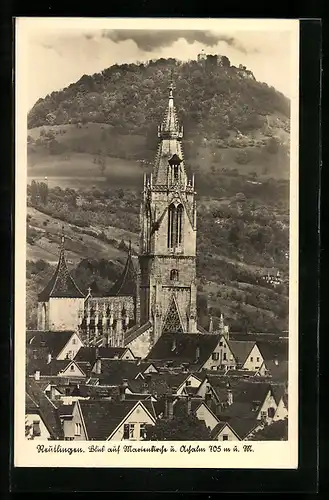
(194, 349)
(243, 426)
(53, 368)
(240, 349)
(247, 398)
(273, 350)
(61, 283)
(37, 401)
(126, 283)
(90, 354)
(102, 417)
(158, 383)
(95, 392)
(54, 341)
(134, 332)
(114, 371)
(219, 427)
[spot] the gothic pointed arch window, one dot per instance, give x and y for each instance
(175, 225)
(174, 275)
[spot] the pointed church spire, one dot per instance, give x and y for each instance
(61, 285)
(170, 134)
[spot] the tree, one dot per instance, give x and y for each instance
(183, 428)
(277, 431)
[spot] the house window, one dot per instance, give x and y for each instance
(77, 430)
(251, 359)
(74, 341)
(36, 428)
(128, 431)
(215, 356)
(263, 413)
(188, 382)
(220, 343)
(225, 437)
(257, 359)
(142, 431)
(224, 356)
(72, 368)
(271, 412)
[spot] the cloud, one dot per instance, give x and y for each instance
(150, 41)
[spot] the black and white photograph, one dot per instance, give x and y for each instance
(156, 211)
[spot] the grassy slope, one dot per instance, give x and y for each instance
(78, 168)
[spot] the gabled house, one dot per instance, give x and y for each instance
(72, 422)
(247, 355)
(275, 359)
(281, 399)
(246, 399)
(58, 344)
(111, 372)
(42, 420)
(64, 368)
(158, 384)
(91, 354)
(224, 432)
(124, 420)
(196, 351)
(187, 405)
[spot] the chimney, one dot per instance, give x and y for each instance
(98, 366)
(48, 358)
(122, 389)
(139, 360)
(189, 405)
(211, 325)
(37, 375)
(276, 362)
(229, 397)
(96, 352)
(197, 354)
(208, 398)
(52, 392)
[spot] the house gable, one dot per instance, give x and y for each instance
(204, 413)
(225, 433)
(268, 407)
(254, 360)
(222, 356)
(281, 411)
(70, 349)
(190, 381)
(138, 415)
(72, 370)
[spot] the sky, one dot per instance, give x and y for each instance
(60, 54)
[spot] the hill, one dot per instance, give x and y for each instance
(95, 139)
(230, 121)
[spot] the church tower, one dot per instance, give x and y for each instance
(61, 301)
(168, 236)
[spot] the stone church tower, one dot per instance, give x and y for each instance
(61, 301)
(168, 236)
